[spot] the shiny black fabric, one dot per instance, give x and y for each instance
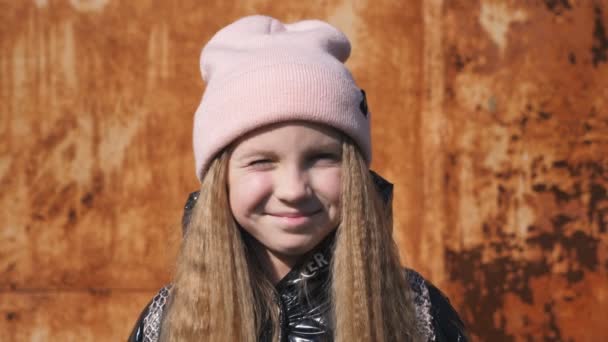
(304, 298)
(304, 303)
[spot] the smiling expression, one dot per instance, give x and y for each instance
(284, 186)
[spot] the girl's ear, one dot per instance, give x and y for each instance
(190, 203)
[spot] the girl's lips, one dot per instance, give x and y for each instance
(295, 215)
(295, 219)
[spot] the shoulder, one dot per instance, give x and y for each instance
(147, 327)
(437, 318)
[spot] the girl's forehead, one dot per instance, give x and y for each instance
(292, 135)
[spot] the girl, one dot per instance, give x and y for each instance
(290, 235)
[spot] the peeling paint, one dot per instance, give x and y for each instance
(41, 3)
(599, 50)
(496, 17)
(490, 118)
(558, 6)
(529, 150)
(89, 5)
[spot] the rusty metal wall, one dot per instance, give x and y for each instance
(489, 116)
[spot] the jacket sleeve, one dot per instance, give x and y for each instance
(147, 327)
(447, 324)
(437, 319)
(137, 334)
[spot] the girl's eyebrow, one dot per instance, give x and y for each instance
(333, 146)
(256, 152)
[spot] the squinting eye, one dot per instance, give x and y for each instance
(327, 157)
(260, 162)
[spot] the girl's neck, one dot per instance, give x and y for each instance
(276, 266)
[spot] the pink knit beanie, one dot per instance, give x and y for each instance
(260, 71)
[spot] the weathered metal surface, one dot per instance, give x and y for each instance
(489, 117)
(90, 315)
(526, 167)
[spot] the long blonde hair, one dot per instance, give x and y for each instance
(220, 292)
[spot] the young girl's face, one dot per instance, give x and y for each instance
(284, 186)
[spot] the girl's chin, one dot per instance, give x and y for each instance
(292, 249)
(287, 243)
(294, 246)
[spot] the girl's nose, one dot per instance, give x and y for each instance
(291, 185)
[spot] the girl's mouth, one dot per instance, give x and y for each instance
(296, 218)
(295, 214)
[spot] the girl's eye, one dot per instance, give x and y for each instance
(326, 157)
(260, 162)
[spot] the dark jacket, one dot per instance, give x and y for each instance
(305, 318)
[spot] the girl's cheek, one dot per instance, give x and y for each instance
(252, 187)
(329, 182)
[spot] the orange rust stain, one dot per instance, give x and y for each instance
(529, 124)
(490, 118)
